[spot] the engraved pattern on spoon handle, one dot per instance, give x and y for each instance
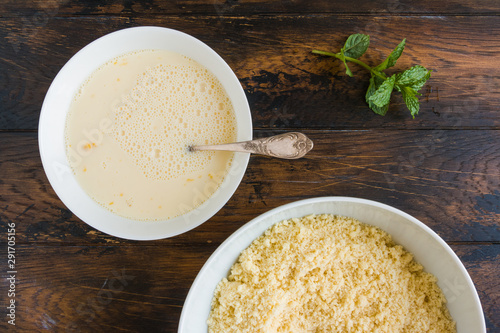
(290, 145)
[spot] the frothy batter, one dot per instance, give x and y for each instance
(129, 127)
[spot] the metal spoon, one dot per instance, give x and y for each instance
(291, 145)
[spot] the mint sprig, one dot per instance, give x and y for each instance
(379, 92)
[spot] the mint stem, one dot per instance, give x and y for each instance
(356, 61)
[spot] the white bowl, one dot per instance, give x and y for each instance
(55, 108)
(428, 249)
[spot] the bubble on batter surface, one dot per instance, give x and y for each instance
(170, 108)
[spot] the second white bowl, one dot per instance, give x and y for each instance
(427, 247)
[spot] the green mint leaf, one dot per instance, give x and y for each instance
(356, 45)
(415, 76)
(393, 57)
(380, 111)
(411, 100)
(417, 85)
(375, 83)
(382, 95)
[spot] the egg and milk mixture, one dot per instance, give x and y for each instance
(129, 128)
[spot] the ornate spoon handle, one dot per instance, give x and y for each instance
(289, 145)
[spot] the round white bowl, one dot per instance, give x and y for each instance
(428, 249)
(55, 108)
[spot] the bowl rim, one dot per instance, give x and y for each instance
(58, 171)
(197, 283)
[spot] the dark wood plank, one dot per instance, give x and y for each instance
(31, 9)
(80, 291)
(447, 179)
(287, 86)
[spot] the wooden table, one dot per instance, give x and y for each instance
(443, 167)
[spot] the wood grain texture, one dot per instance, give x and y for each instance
(142, 288)
(447, 179)
(286, 85)
(442, 167)
(16, 8)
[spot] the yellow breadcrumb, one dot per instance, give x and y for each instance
(325, 273)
